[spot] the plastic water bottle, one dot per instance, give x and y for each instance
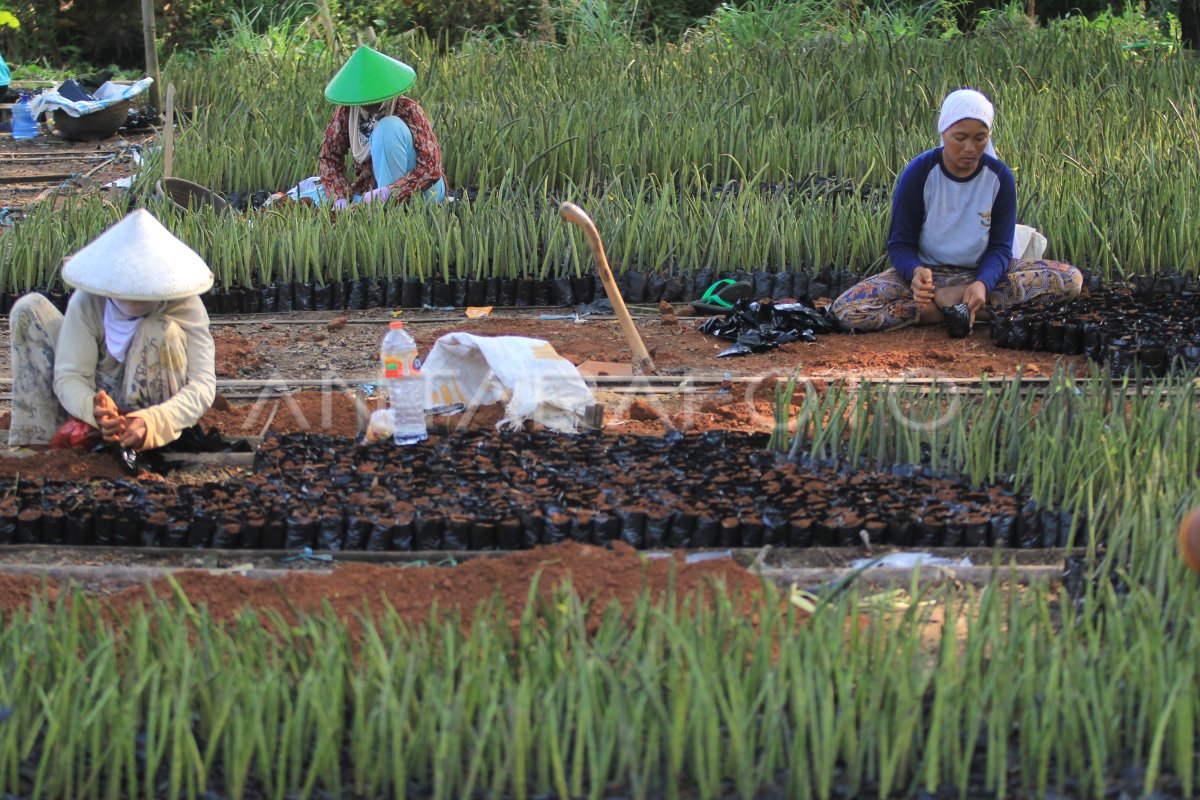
(406, 389)
(23, 124)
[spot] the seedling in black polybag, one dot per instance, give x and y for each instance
(958, 321)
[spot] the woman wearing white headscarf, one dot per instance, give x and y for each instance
(952, 234)
(135, 333)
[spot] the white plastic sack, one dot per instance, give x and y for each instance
(908, 560)
(1028, 243)
(527, 375)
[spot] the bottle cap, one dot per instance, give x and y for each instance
(396, 324)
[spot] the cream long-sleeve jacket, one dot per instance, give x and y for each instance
(81, 354)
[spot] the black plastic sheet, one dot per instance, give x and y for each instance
(227, 534)
(394, 295)
(531, 528)
(600, 307)
(509, 534)
(78, 530)
(755, 326)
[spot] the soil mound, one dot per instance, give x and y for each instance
(598, 576)
(62, 465)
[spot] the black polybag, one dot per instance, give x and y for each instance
(758, 325)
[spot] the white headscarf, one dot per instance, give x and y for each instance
(121, 321)
(967, 104)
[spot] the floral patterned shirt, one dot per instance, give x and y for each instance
(332, 163)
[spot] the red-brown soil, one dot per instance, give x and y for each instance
(331, 412)
(234, 353)
(61, 465)
(345, 351)
(597, 575)
(17, 591)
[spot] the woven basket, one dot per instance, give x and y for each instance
(97, 125)
(188, 196)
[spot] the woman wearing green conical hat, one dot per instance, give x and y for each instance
(396, 156)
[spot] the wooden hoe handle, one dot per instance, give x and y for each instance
(642, 364)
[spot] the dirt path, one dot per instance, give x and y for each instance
(252, 351)
(317, 345)
(34, 167)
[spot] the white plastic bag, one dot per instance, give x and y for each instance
(527, 375)
(1028, 243)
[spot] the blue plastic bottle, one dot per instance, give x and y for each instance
(23, 124)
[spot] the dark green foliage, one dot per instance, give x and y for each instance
(106, 32)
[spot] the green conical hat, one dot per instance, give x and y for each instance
(369, 77)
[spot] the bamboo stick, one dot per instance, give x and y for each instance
(642, 363)
(150, 40)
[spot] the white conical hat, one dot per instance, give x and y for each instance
(138, 259)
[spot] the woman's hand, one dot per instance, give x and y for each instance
(108, 418)
(379, 195)
(116, 428)
(975, 297)
(134, 436)
(922, 285)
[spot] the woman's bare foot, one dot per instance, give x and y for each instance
(949, 296)
(930, 314)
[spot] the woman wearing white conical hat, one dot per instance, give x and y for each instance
(135, 329)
